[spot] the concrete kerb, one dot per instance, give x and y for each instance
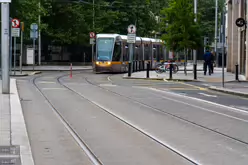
(26, 74)
(223, 90)
(36, 72)
(19, 135)
(161, 79)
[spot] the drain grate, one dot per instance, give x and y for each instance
(10, 155)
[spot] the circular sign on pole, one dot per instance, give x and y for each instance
(92, 35)
(15, 23)
(240, 22)
(34, 26)
(131, 29)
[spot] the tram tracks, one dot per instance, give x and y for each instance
(90, 153)
(168, 113)
(147, 134)
(67, 125)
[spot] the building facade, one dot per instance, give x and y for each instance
(236, 37)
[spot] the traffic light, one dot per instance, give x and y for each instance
(206, 41)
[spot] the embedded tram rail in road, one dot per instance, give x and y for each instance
(93, 157)
(130, 124)
(171, 114)
(87, 85)
(74, 134)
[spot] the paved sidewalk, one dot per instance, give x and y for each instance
(180, 76)
(14, 142)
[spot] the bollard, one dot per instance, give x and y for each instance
(237, 72)
(139, 65)
(71, 71)
(129, 69)
(143, 65)
(133, 66)
(136, 67)
(171, 66)
(147, 69)
(195, 72)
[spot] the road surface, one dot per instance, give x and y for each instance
(104, 119)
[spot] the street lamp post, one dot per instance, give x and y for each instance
(216, 30)
(223, 41)
(39, 51)
(93, 26)
(194, 56)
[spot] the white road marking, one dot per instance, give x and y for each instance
(165, 80)
(241, 107)
(139, 87)
(46, 82)
(53, 88)
(204, 94)
(109, 79)
(107, 85)
(209, 102)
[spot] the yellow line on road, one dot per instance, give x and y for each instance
(183, 89)
(194, 86)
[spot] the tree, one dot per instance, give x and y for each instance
(28, 11)
(181, 30)
(206, 10)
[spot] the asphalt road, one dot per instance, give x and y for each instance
(134, 121)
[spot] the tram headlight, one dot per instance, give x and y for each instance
(109, 63)
(97, 62)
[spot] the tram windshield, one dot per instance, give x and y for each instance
(104, 49)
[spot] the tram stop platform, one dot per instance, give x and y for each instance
(14, 142)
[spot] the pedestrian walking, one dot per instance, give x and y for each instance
(213, 55)
(208, 58)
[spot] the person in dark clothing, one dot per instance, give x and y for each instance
(208, 57)
(212, 62)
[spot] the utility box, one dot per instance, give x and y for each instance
(30, 56)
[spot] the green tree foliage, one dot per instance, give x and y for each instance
(206, 9)
(27, 11)
(178, 23)
(70, 21)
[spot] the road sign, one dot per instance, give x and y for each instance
(15, 23)
(131, 29)
(5, 1)
(33, 34)
(131, 38)
(34, 31)
(34, 26)
(15, 32)
(240, 22)
(92, 41)
(92, 35)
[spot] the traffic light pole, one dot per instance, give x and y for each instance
(216, 29)
(194, 56)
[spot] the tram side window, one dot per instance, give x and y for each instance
(117, 52)
(126, 53)
(137, 52)
(147, 52)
